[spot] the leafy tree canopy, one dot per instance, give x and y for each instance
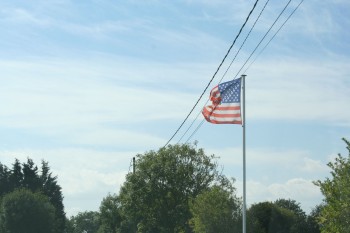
(110, 216)
(87, 222)
(156, 197)
(268, 217)
(335, 214)
(216, 210)
(25, 211)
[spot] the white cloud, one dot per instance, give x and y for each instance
(313, 166)
(296, 188)
(301, 190)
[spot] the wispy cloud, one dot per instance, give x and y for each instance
(314, 166)
(23, 16)
(313, 91)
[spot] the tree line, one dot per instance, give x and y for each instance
(175, 189)
(30, 199)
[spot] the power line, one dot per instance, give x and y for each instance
(200, 124)
(285, 7)
(251, 11)
(234, 58)
(262, 50)
(195, 131)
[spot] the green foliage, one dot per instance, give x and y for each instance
(216, 210)
(335, 215)
(300, 219)
(24, 211)
(110, 217)
(4, 182)
(50, 188)
(313, 225)
(88, 222)
(28, 176)
(156, 198)
(267, 217)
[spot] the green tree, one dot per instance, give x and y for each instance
(267, 217)
(50, 188)
(313, 225)
(156, 197)
(15, 177)
(86, 222)
(300, 224)
(335, 215)
(27, 175)
(24, 211)
(110, 214)
(4, 182)
(30, 176)
(216, 210)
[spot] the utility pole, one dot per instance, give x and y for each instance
(133, 165)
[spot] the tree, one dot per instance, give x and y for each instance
(25, 211)
(312, 224)
(110, 217)
(86, 222)
(30, 176)
(156, 197)
(300, 223)
(15, 177)
(4, 182)
(267, 217)
(216, 210)
(335, 214)
(27, 176)
(49, 187)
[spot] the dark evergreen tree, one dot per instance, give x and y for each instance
(31, 179)
(4, 180)
(16, 176)
(52, 190)
(27, 176)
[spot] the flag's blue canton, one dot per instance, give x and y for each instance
(230, 92)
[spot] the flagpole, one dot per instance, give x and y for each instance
(244, 159)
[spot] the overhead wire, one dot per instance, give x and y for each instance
(234, 58)
(282, 25)
(201, 123)
(251, 11)
(256, 47)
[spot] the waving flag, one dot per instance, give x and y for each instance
(226, 104)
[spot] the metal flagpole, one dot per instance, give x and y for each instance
(244, 160)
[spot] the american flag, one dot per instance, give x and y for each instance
(226, 104)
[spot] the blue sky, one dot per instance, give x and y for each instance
(87, 85)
